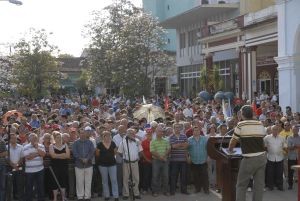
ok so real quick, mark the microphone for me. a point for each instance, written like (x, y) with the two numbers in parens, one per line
(226, 134)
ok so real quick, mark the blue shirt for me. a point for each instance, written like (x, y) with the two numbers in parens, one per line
(83, 149)
(35, 123)
(197, 149)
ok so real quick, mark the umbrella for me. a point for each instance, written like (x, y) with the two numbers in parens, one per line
(150, 112)
(204, 95)
(219, 95)
(229, 95)
(8, 114)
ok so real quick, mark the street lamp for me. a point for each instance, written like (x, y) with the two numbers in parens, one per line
(17, 2)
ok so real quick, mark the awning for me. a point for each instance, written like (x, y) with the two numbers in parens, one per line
(197, 14)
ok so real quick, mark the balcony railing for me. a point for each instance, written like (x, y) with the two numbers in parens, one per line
(261, 15)
(204, 2)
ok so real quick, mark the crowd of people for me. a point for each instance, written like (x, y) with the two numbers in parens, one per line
(96, 146)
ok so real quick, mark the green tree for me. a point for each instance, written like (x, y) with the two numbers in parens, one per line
(210, 79)
(126, 48)
(82, 83)
(35, 70)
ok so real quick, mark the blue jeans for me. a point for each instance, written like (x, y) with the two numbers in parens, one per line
(178, 167)
(110, 171)
(160, 176)
(37, 179)
(2, 182)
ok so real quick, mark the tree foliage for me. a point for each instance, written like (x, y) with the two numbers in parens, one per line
(6, 74)
(126, 45)
(35, 70)
(210, 79)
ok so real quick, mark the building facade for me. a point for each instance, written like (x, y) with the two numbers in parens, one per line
(165, 81)
(192, 54)
(288, 58)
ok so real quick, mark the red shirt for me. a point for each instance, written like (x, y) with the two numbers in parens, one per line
(146, 149)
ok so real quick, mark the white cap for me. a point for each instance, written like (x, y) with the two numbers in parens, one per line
(87, 128)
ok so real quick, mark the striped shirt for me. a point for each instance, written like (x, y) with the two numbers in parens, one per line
(178, 154)
(250, 134)
(160, 147)
(36, 164)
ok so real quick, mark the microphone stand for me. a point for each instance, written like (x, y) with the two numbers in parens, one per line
(222, 140)
(130, 182)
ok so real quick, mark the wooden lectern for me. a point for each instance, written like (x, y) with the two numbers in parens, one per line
(228, 164)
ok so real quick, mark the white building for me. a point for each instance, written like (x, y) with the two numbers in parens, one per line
(289, 53)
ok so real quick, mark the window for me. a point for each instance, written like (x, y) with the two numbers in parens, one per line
(192, 38)
(182, 40)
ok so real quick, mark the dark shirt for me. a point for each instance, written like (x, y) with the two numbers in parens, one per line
(2, 150)
(107, 156)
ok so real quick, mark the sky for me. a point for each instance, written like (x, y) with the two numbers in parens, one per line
(64, 18)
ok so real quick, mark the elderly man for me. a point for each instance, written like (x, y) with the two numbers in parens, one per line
(178, 159)
(250, 133)
(275, 145)
(83, 153)
(160, 149)
(15, 163)
(293, 143)
(34, 168)
(130, 148)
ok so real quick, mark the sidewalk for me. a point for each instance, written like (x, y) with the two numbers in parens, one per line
(275, 195)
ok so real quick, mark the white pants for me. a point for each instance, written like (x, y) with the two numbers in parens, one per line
(135, 178)
(83, 182)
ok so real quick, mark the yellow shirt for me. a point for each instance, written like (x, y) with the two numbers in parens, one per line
(285, 134)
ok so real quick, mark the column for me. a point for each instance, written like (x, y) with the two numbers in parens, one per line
(243, 73)
(288, 77)
(248, 75)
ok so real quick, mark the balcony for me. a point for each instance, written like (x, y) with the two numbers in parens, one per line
(221, 27)
(260, 16)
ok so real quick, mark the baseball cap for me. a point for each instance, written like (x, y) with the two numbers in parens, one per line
(55, 127)
(88, 128)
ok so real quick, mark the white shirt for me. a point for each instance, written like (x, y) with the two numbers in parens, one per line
(188, 112)
(117, 140)
(15, 153)
(95, 146)
(134, 149)
(141, 135)
(275, 147)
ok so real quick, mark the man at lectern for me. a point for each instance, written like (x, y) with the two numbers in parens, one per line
(250, 133)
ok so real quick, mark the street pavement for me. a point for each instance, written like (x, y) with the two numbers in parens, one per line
(275, 195)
